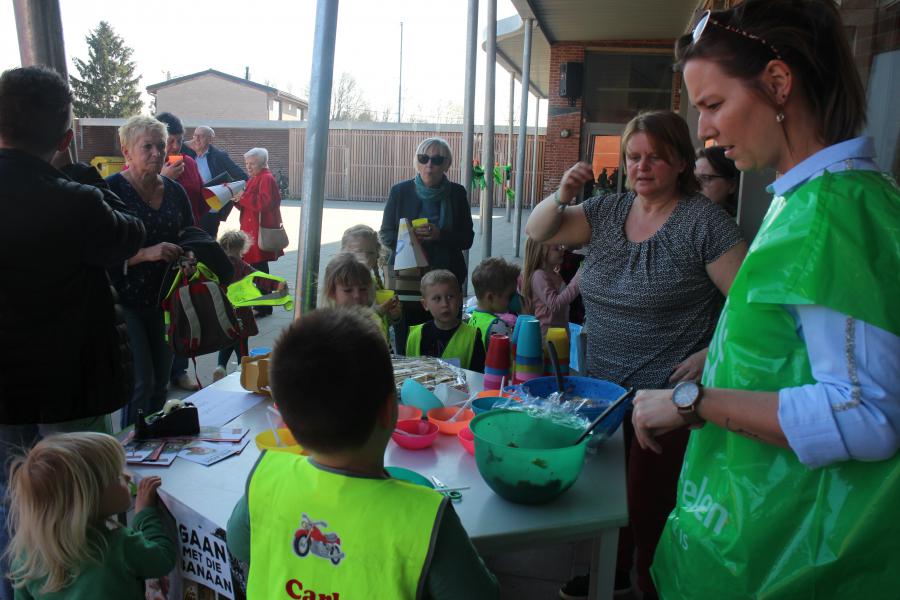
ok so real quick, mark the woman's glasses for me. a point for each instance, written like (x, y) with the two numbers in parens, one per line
(706, 19)
(704, 179)
(437, 160)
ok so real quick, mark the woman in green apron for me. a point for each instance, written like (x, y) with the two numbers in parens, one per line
(791, 479)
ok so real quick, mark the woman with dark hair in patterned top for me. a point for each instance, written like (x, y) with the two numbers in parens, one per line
(660, 260)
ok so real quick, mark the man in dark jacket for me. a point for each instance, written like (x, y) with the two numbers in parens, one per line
(65, 363)
(213, 163)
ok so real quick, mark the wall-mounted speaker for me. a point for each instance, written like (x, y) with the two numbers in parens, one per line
(570, 75)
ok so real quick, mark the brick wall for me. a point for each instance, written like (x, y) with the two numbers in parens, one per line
(561, 153)
(237, 141)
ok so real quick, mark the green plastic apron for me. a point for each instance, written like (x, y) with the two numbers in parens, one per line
(751, 521)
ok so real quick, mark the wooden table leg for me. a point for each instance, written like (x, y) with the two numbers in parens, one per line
(603, 564)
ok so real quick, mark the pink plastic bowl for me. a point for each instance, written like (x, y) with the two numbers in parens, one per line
(405, 412)
(422, 433)
(467, 440)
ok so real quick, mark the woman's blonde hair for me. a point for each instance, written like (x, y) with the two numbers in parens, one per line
(345, 269)
(137, 125)
(235, 242)
(366, 233)
(55, 492)
(535, 254)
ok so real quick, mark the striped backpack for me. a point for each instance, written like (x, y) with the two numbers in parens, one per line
(199, 317)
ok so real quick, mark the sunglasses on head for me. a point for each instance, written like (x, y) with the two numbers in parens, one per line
(706, 19)
(437, 160)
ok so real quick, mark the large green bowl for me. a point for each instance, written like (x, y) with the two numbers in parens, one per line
(526, 459)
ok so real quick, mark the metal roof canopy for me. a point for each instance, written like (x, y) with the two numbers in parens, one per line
(584, 21)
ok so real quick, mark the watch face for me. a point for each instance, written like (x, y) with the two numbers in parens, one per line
(685, 394)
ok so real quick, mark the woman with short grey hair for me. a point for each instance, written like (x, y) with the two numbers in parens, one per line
(260, 206)
(165, 210)
(447, 233)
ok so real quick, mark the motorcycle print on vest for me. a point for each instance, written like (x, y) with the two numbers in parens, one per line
(311, 536)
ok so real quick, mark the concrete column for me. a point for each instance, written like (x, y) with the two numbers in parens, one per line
(315, 156)
(523, 137)
(487, 151)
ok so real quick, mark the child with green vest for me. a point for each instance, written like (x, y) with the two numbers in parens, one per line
(445, 335)
(335, 523)
(495, 280)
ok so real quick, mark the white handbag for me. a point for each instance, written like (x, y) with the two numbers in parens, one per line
(272, 239)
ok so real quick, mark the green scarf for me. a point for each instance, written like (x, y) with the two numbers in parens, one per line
(432, 198)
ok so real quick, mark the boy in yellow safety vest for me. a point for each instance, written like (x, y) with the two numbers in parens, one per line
(445, 336)
(494, 280)
(335, 525)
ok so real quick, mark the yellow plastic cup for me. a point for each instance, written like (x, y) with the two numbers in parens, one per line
(560, 338)
(420, 222)
(382, 296)
(265, 440)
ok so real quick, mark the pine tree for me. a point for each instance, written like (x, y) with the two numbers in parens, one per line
(108, 87)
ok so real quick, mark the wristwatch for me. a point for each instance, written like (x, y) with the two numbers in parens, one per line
(686, 397)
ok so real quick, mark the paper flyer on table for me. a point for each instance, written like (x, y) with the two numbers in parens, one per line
(208, 453)
(217, 407)
(218, 196)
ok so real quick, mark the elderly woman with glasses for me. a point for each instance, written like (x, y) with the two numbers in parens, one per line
(660, 259)
(791, 480)
(445, 235)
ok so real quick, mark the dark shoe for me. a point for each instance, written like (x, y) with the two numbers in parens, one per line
(576, 588)
(261, 314)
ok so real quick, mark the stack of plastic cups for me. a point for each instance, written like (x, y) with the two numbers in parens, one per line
(529, 353)
(496, 363)
(560, 338)
(515, 336)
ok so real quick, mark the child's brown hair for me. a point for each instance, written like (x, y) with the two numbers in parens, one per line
(535, 254)
(435, 277)
(344, 269)
(328, 402)
(495, 275)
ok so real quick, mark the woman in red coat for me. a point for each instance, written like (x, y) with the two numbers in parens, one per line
(259, 205)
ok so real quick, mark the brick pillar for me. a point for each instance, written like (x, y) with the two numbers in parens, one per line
(561, 153)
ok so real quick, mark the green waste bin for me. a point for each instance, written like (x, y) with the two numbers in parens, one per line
(108, 165)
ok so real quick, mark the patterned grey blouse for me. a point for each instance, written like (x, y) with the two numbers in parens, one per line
(651, 304)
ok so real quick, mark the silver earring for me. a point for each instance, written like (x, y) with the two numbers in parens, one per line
(779, 117)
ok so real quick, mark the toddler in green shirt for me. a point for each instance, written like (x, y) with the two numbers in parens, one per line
(65, 545)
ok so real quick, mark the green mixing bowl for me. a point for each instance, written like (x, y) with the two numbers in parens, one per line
(526, 459)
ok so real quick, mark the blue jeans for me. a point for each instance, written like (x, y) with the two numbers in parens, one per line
(16, 440)
(152, 361)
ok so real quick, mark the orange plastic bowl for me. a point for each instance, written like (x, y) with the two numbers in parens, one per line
(467, 440)
(421, 434)
(405, 413)
(439, 417)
